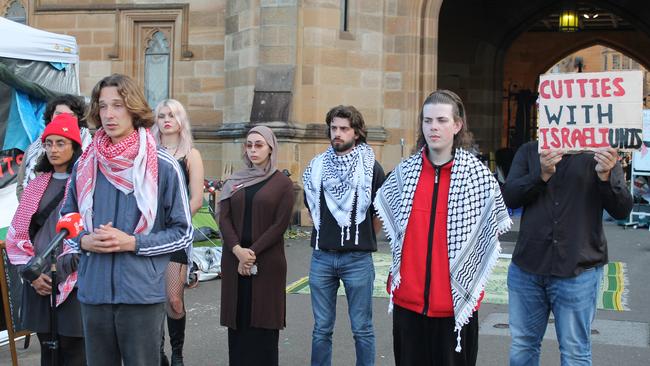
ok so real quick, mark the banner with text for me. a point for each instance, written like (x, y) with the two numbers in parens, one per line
(586, 111)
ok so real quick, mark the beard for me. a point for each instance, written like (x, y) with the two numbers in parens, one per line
(342, 146)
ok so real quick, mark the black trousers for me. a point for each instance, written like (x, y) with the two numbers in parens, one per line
(253, 347)
(421, 340)
(70, 352)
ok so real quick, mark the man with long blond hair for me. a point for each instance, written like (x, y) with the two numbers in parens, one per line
(134, 206)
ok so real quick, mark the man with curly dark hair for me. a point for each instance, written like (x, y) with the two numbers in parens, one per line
(339, 187)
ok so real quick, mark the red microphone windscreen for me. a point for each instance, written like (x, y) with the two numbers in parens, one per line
(71, 222)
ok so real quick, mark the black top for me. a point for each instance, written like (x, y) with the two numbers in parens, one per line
(186, 172)
(245, 283)
(180, 256)
(561, 232)
(247, 231)
(330, 231)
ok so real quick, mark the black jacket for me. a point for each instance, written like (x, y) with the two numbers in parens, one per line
(330, 231)
(561, 231)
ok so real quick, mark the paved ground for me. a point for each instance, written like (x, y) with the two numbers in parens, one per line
(207, 341)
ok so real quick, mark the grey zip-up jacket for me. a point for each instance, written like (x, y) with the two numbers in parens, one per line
(133, 277)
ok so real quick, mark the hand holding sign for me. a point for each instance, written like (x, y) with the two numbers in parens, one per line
(605, 158)
(547, 160)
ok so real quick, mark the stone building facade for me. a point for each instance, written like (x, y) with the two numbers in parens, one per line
(285, 63)
(279, 62)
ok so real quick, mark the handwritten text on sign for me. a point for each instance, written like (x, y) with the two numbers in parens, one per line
(584, 111)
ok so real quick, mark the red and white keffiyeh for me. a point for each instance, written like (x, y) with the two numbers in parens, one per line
(130, 166)
(20, 249)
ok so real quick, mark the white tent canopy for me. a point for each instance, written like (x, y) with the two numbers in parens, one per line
(22, 42)
(33, 56)
(28, 57)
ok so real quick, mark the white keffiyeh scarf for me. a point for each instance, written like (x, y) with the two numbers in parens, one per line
(476, 215)
(343, 178)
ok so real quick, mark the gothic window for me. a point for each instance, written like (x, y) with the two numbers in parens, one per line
(157, 59)
(16, 12)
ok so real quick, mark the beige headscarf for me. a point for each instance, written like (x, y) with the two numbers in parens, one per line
(252, 174)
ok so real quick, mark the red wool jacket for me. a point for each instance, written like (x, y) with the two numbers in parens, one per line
(425, 287)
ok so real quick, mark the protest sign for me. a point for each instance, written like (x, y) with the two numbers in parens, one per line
(586, 111)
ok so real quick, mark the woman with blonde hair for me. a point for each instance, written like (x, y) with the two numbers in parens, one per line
(255, 208)
(172, 132)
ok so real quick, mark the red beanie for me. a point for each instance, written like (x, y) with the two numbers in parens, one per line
(63, 125)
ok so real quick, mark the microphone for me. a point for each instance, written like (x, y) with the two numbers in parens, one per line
(69, 226)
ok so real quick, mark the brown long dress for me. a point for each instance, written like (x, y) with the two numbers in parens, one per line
(253, 308)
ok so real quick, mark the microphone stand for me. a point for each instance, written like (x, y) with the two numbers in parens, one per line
(32, 271)
(53, 343)
(35, 267)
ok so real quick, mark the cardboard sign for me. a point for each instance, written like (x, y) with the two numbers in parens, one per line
(586, 111)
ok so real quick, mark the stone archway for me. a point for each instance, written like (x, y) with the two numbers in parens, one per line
(524, 63)
(477, 39)
(523, 66)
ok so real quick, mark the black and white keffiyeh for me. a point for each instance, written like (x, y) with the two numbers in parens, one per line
(343, 179)
(476, 215)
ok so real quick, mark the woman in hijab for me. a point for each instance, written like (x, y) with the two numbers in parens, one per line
(255, 208)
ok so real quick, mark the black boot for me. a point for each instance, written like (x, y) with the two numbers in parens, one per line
(163, 358)
(176, 339)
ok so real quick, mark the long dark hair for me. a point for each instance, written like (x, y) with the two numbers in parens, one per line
(464, 137)
(44, 165)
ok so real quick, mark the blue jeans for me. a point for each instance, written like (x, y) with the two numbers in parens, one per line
(357, 272)
(573, 303)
